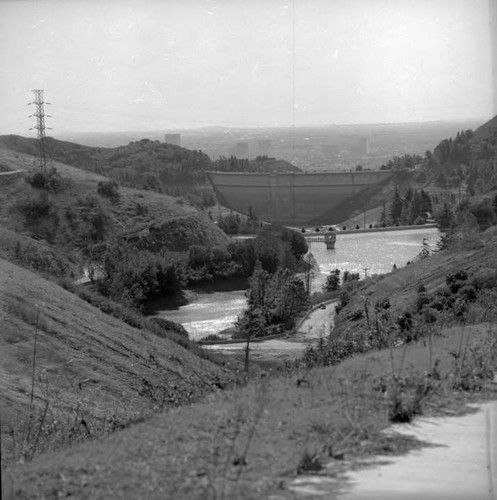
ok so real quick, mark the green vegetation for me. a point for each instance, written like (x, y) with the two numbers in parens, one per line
(274, 248)
(273, 301)
(237, 224)
(416, 341)
(332, 281)
(271, 431)
(50, 180)
(147, 165)
(261, 164)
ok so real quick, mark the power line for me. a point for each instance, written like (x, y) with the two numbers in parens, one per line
(293, 80)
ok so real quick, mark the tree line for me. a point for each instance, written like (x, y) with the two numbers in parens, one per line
(410, 208)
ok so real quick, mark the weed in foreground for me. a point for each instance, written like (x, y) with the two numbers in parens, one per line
(405, 397)
(474, 365)
(52, 426)
(309, 463)
(232, 443)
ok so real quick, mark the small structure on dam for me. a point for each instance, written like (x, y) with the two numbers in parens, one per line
(329, 238)
(293, 199)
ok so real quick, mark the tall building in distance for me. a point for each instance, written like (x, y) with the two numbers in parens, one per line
(242, 150)
(363, 145)
(264, 147)
(173, 139)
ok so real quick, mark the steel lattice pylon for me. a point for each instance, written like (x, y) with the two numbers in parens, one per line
(41, 158)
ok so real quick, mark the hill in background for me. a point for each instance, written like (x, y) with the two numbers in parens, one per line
(148, 165)
(103, 364)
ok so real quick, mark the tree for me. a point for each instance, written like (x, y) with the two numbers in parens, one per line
(383, 216)
(310, 271)
(109, 189)
(257, 287)
(396, 206)
(445, 217)
(425, 250)
(252, 217)
(252, 324)
(332, 281)
(348, 276)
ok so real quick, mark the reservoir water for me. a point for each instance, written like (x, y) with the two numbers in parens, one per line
(365, 253)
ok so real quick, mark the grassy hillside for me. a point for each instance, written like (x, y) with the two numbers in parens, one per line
(146, 164)
(255, 442)
(315, 417)
(133, 211)
(142, 156)
(419, 340)
(487, 132)
(421, 290)
(89, 365)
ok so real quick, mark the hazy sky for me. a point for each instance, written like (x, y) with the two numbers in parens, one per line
(146, 65)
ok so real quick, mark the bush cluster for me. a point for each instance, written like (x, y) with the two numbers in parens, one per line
(135, 276)
(273, 300)
(109, 189)
(236, 224)
(274, 249)
(49, 179)
(40, 259)
(459, 291)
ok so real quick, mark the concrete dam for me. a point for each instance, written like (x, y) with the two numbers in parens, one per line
(293, 199)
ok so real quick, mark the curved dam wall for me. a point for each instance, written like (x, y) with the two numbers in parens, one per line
(293, 198)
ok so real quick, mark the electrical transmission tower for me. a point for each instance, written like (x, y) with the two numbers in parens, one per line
(41, 158)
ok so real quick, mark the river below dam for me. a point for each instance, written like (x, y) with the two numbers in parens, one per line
(212, 310)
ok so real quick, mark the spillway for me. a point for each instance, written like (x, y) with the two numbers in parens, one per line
(291, 198)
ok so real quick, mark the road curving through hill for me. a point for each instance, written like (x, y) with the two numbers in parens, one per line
(318, 323)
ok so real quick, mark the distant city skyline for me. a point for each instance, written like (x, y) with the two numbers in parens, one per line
(183, 64)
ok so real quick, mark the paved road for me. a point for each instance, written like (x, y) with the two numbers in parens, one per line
(318, 324)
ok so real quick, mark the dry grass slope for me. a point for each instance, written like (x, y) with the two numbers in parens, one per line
(252, 442)
(86, 355)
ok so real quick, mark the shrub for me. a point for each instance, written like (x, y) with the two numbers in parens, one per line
(456, 280)
(136, 276)
(406, 395)
(49, 179)
(41, 259)
(468, 292)
(421, 300)
(405, 322)
(289, 324)
(344, 297)
(484, 278)
(355, 315)
(212, 337)
(109, 189)
(474, 367)
(167, 324)
(382, 304)
(35, 208)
